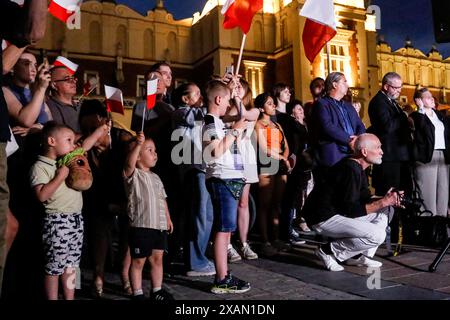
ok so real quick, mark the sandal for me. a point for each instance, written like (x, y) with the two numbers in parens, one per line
(127, 288)
(98, 291)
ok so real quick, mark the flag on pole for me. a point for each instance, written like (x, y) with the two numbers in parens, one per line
(89, 86)
(151, 93)
(320, 26)
(239, 13)
(63, 9)
(114, 99)
(64, 62)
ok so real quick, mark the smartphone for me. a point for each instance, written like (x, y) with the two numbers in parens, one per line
(229, 69)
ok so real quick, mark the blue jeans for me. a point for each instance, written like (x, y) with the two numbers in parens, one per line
(202, 217)
(224, 205)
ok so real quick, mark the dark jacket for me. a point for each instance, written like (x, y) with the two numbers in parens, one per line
(423, 145)
(391, 126)
(328, 133)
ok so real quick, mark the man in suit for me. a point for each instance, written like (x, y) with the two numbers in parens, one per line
(336, 125)
(390, 125)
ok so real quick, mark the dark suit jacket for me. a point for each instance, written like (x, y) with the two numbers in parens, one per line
(391, 127)
(329, 133)
(424, 137)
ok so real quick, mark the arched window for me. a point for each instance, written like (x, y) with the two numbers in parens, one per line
(95, 37)
(172, 45)
(258, 37)
(58, 34)
(122, 38)
(148, 44)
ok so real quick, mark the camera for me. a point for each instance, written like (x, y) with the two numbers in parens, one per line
(410, 202)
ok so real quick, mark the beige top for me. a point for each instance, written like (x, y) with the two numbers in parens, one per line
(64, 200)
(146, 200)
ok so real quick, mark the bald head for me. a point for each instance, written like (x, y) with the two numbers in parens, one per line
(368, 148)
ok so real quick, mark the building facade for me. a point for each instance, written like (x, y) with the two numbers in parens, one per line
(116, 46)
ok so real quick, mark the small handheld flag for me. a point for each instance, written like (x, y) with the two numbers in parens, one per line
(114, 99)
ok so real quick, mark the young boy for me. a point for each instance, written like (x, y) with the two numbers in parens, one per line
(63, 223)
(224, 180)
(149, 215)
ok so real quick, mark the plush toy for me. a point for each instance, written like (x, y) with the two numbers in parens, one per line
(80, 175)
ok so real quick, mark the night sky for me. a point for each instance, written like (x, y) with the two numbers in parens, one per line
(399, 19)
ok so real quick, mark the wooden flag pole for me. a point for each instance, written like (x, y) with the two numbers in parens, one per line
(240, 54)
(143, 119)
(109, 129)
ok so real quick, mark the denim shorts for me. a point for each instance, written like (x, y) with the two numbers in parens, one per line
(224, 204)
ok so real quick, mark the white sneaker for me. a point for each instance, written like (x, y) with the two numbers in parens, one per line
(232, 254)
(328, 260)
(364, 261)
(247, 252)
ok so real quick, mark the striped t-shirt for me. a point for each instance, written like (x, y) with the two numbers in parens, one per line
(146, 200)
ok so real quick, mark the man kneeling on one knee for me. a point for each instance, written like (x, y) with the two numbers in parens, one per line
(343, 209)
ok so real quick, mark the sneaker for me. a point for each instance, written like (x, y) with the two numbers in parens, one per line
(208, 270)
(328, 260)
(247, 252)
(232, 254)
(139, 297)
(230, 284)
(281, 245)
(364, 261)
(268, 250)
(296, 240)
(161, 295)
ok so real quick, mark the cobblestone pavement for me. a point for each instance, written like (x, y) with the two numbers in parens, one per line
(296, 274)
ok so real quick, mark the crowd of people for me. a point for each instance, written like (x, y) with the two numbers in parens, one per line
(182, 181)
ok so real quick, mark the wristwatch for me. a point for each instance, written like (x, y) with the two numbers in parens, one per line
(235, 133)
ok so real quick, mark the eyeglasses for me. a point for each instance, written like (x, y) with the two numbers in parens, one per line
(67, 79)
(395, 88)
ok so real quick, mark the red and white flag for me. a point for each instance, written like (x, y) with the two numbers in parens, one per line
(114, 99)
(151, 93)
(63, 9)
(320, 26)
(239, 13)
(89, 86)
(64, 62)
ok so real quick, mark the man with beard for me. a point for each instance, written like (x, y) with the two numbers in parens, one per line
(343, 209)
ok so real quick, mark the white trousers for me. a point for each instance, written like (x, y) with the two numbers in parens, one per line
(432, 179)
(355, 235)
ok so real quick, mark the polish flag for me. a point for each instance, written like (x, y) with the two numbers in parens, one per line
(320, 26)
(89, 86)
(239, 13)
(151, 93)
(63, 9)
(114, 100)
(64, 62)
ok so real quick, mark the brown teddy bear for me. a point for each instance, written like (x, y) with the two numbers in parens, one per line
(80, 174)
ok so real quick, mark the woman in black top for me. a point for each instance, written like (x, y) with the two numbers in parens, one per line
(431, 153)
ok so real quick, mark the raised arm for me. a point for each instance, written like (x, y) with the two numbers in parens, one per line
(130, 162)
(37, 17)
(218, 147)
(91, 140)
(26, 115)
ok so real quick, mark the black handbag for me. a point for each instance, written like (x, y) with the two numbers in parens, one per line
(425, 230)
